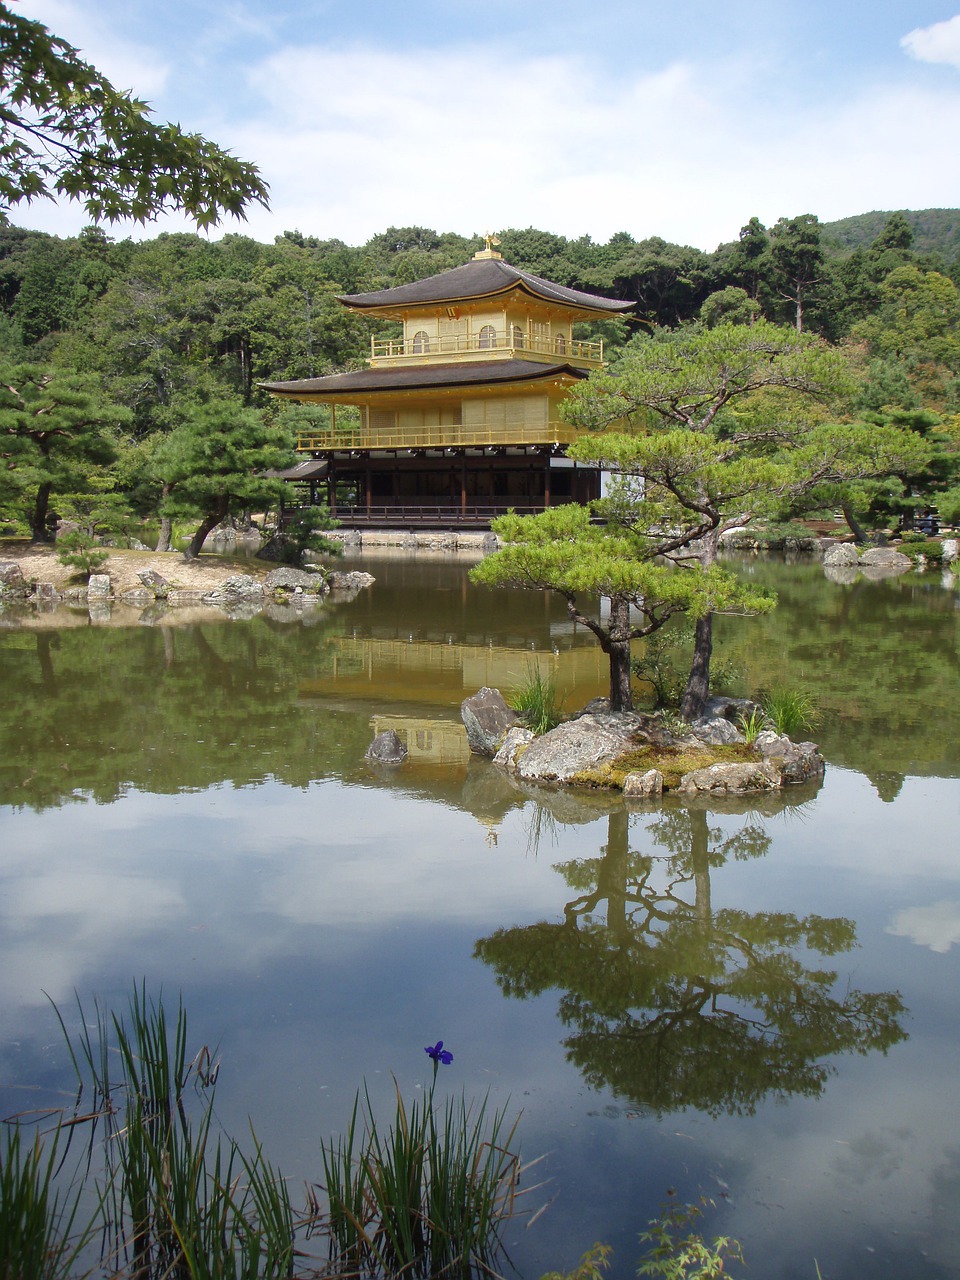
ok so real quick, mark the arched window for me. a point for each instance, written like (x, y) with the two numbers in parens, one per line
(517, 336)
(421, 343)
(488, 337)
(560, 344)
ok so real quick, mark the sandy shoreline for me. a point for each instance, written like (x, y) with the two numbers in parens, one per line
(40, 564)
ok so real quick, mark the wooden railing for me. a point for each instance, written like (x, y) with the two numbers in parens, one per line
(459, 343)
(435, 437)
(436, 515)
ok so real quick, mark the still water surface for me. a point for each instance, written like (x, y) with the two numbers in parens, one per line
(758, 1003)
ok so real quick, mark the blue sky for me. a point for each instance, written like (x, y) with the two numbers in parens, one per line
(678, 119)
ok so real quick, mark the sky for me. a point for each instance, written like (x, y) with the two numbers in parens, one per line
(680, 120)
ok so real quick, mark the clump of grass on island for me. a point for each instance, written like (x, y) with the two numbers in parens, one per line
(790, 711)
(537, 701)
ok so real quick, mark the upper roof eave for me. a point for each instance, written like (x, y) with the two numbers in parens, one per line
(474, 281)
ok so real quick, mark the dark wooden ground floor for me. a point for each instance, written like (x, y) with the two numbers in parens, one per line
(436, 489)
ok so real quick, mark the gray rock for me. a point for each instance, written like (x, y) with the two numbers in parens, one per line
(486, 718)
(844, 553)
(387, 748)
(886, 558)
(794, 761)
(724, 707)
(12, 581)
(582, 744)
(717, 732)
(353, 581)
(286, 577)
(98, 586)
(595, 707)
(731, 779)
(155, 582)
(643, 784)
(241, 585)
(222, 539)
(137, 596)
(951, 550)
(515, 740)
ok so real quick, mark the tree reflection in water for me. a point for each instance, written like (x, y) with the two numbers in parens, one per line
(673, 1004)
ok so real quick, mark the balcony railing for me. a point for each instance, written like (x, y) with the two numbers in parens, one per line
(501, 341)
(431, 515)
(435, 437)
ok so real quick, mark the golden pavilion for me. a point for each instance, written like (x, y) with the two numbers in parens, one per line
(458, 418)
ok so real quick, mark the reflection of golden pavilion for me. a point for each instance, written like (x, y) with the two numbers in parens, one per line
(458, 419)
(427, 741)
(437, 673)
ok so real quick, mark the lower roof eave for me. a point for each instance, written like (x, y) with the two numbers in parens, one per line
(380, 381)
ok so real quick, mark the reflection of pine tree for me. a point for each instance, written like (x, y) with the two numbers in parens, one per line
(673, 1004)
(166, 709)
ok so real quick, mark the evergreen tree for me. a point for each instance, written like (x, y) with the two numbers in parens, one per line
(213, 462)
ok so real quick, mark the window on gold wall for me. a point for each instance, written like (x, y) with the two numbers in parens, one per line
(488, 337)
(421, 343)
(517, 336)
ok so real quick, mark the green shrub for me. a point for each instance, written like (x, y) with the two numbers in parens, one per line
(303, 530)
(677, 1252)
(664, 665)
(930, 548)
(80, 550)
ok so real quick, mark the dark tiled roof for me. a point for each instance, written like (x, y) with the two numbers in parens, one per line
(310, 469)
(468, 374)
(480, 278)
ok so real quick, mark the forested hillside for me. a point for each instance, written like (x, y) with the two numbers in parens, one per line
(153, 333)
(934, 230)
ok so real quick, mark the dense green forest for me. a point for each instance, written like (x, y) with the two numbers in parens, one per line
(115, 353)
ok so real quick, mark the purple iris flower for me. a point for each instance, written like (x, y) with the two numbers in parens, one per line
(437, 1054)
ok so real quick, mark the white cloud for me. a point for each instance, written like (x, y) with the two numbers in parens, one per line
(936, 926)
(937, 43)
(354, 140)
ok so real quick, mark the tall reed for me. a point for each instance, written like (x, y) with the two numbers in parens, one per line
(178, 1200)
(37, 1219)
(426, 1197)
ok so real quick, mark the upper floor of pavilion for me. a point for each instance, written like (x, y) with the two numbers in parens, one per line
(485, 310)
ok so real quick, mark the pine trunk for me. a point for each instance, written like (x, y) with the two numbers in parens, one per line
(853, 524)
(207, 525)
(165, 537)
(38, 516)
(618, 653)
(698, 685)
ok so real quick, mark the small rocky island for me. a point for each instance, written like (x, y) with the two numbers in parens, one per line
(637, 754)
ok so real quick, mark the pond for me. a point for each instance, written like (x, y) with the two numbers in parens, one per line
(758, 1003)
